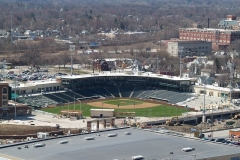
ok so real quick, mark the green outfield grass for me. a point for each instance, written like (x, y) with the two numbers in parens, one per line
(158, 111)
(123, 102)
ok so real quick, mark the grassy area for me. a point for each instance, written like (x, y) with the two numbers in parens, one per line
(122, 102)
(158, 111)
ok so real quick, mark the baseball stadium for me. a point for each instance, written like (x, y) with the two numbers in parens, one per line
(124, 95)
(146, 94)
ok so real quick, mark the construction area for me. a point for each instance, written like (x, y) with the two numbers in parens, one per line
(57, 125)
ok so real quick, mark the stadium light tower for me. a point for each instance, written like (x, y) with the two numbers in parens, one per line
(71, 49)
(180, 50)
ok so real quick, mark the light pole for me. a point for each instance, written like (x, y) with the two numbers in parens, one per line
(78, 68)
(212, 123)
(180, 50)
(80, 105)
(74, 102)
(134, 111)
(68, 110)
(71, 49)
(15, 108)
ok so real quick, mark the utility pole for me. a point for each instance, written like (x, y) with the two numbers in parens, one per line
(11, 26)
(204, 106)
(15, 98)
(231, 76)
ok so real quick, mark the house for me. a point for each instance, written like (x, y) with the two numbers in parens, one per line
(206, 80)
(85, 32)
(3, 32)
(102, 65)
(207, 72)
(237, 85)
(197, 62)
(165, 72)
(188, 74)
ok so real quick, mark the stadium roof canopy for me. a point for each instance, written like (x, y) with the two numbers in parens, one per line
(109, 74)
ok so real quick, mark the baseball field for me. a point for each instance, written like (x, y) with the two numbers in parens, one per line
(142, 108)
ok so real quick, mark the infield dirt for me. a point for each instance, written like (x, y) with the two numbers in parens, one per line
(104, 105)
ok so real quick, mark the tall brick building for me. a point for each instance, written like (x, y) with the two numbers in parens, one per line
(7, 110)
(219, 37)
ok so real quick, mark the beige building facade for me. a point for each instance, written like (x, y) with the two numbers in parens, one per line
(189, 48)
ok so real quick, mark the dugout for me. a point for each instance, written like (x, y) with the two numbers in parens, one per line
(102, 113)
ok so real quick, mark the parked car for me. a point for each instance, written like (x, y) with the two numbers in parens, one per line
(201, 135)
(188, 149)
(236, 143)
(212, 139)
(220, 139)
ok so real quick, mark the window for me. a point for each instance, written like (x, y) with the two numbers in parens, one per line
(5, 103)
(4, 114)
(5, 97)
(4, 90)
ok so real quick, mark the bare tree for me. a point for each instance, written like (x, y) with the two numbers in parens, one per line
(32, 56)
(65, 58)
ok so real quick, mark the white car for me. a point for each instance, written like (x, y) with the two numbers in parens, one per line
(188, 149)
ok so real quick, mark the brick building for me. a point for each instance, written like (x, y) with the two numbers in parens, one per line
(7, 110)
(219, 37)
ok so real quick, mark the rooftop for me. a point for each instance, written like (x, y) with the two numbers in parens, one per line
(148, 144)
(139, 74)
(111, 110)
(210, 29)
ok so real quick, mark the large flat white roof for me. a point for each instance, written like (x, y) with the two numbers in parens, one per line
(217, 88)
(210, 29)
(33, 83)
(108, 74)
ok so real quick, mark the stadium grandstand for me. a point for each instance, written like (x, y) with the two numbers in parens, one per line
(115, 85)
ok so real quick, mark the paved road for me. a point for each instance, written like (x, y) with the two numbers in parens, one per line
(221, 134)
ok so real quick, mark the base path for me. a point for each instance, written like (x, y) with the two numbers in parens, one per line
(104, 105)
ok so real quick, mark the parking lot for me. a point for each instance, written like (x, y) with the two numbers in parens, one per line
(25, 73)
